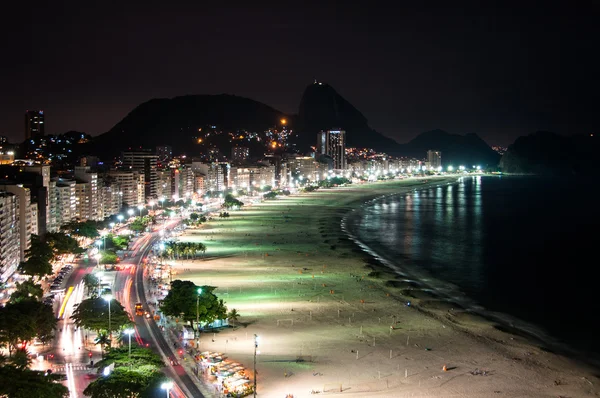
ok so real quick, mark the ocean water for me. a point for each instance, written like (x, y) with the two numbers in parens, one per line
(522, 250)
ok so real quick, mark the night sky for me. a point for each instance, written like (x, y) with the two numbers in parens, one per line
(499, 71)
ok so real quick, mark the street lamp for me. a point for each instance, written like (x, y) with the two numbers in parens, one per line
(198, 315)
(129, 332)
(103, 234)
(140, 208)
(120, 217)
(108, 298)
(255, 347)
(130, 212)
(111, 225)
(167, 386)
(98, 257)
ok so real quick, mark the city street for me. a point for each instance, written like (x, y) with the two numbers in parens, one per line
(128, 289)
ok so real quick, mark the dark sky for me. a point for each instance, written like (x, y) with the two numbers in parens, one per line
(499, 70)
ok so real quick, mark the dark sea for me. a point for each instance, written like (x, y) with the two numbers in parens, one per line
(521, 250)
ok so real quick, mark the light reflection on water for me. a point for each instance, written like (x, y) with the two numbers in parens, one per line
(509, 244)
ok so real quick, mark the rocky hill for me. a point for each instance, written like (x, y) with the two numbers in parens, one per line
(467, 150)
(176, 122)
(322, 108)
(548, 153)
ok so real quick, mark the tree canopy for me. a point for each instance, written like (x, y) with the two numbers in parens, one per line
(22, 321)
(27, 290)
(182, 299)
(38, 258)
(92, 284)
(92, 314)
(16, 382)
(140, 356)
(126, 383)
(85, 229)
(231, 202)
(61, 243)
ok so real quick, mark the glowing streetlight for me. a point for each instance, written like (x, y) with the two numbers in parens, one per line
(140, 208)
(120, 218)
(130, 212)
(129, 332)
(167, 386)
(108, 298)
(111, 225)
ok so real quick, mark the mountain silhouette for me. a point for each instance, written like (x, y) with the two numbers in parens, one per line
(467, 150)
(322, 108)
(176, 122)
(548, 153)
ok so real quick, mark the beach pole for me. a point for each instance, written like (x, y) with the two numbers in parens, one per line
(356, 354)
(407, 337)
(405, 373)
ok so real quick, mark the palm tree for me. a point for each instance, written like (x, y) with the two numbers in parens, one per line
(233, 316)
(103, 340)
(91, 284)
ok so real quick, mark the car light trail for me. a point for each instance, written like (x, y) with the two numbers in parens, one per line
(64, 304)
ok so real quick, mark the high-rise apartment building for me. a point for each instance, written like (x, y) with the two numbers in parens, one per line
(10, 240)
(63, 203)
(131, 185)
(434, 158)
(37, 180)
(216, 175)
(164, 186)
(305, 167)
(182, 182)
(332, 143)
(34, 124)
(27, 215)
(145, 162)
(87, 194)
(111, 197)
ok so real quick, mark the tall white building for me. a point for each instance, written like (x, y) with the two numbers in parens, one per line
(111, 197)
(63, 203)
(131, 186)
(434, 158)
(88, 196)
(27, 215)
(216, 175)
(145, 162)
(252, 176)
(10, 240)
(305, 167)
(332, 143)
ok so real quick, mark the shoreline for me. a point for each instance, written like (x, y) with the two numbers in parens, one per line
(447, 300)
(298, 280)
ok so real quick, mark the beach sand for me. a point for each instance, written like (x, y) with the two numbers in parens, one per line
(331, 319)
